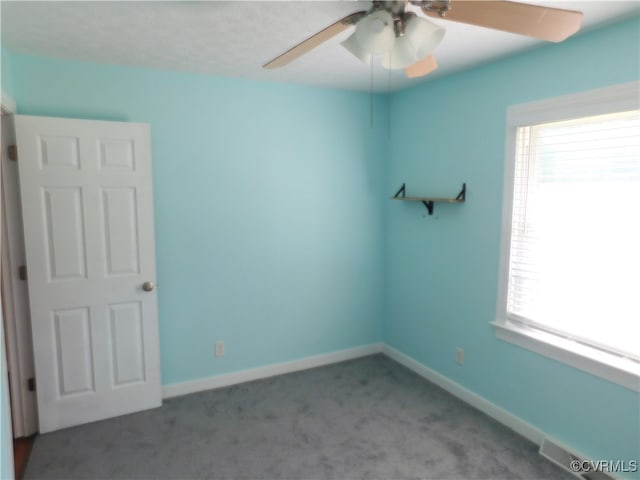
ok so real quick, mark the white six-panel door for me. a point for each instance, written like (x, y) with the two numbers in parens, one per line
(88, 219)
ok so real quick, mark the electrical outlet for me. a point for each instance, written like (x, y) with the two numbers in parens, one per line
(459, 356)
(219, 349)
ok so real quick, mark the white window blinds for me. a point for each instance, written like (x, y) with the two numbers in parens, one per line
(574, 264)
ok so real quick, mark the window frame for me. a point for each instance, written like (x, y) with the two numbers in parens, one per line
(617, 98)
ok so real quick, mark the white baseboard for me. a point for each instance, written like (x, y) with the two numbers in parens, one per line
(494, 411)
(499, 414)
(475, 400)
(224, 380)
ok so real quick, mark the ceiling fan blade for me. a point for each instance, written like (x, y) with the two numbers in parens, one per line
(421, 67)
(545, 23)
(314, 40)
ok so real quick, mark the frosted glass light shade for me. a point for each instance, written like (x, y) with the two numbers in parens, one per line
(375, 32)
(424, 35)
(402, 55)
(353, 46)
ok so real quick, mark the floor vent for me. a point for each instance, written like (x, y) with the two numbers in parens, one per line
(580, 467)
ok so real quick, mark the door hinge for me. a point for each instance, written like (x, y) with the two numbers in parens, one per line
(31, 384)
(22, 272)
(12, 152)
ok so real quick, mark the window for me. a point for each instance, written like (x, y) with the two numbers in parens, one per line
(570, 272)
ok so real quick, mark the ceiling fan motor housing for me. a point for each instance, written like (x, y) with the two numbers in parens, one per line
(402, 37)
(441, 7)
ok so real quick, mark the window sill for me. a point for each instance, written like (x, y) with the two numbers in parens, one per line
(614, 369)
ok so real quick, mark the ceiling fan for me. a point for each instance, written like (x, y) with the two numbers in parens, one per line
(406, 40)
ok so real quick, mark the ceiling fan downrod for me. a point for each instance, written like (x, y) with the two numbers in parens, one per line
(398, 12)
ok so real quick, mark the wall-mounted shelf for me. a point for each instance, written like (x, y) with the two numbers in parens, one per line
(430, 201)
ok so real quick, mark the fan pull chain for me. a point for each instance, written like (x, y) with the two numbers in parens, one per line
(371, 95)
(389, 103)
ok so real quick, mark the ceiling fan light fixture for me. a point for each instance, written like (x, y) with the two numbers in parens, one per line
(375, 32)
(424, 35)
(353, 46)
(401, 55)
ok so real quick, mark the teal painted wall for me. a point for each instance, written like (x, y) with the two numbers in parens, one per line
(272, 199)
(442, 270)
(267, 207)
(6, 72)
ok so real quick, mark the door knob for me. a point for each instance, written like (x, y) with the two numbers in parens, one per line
(148, 286)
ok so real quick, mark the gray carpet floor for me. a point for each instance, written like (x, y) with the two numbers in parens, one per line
(369, 418)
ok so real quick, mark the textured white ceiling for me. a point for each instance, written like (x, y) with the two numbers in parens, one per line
(235, 38)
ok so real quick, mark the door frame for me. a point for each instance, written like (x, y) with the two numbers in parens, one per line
(19, 347)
